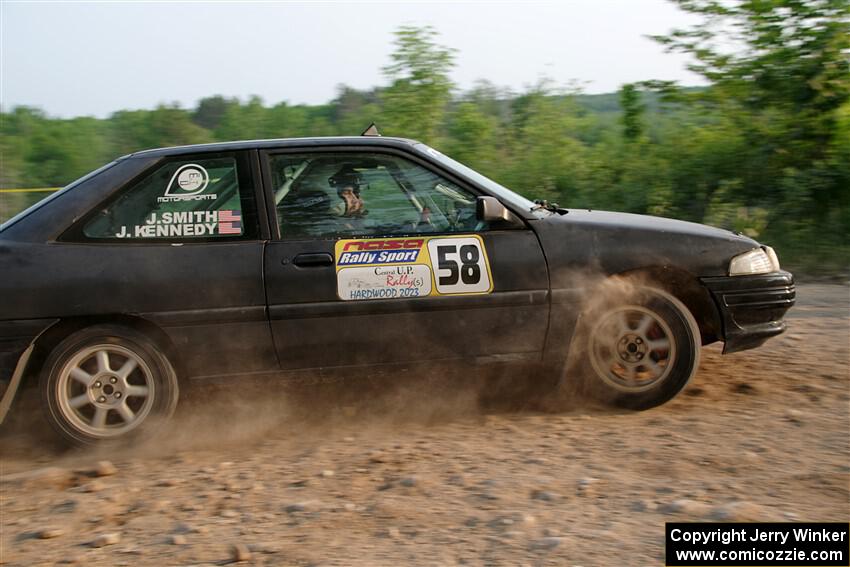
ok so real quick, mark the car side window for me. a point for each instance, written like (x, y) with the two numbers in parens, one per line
(195, 198)
(343, 194)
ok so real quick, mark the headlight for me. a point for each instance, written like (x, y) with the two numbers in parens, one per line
(759, 261)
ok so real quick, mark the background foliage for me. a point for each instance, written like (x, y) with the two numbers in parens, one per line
(764, 149)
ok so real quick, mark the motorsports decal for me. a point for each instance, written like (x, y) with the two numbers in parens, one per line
(187, 184)
(387, 268)
(190, 223)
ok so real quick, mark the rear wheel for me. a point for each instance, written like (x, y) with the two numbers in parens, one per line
(638, 349)
(107, 382)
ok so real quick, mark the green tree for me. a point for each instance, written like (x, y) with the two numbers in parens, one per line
(550, 162)
(17, 131)
(472, 136)
(244, 121)
(779, 71)
(633, 110)
(211, 111)
(166, 125)
(353, 110)
(420, 87)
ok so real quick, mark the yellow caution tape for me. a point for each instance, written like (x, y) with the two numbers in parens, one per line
(41, 190)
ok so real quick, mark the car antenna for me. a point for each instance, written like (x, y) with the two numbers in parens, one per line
(372, 130)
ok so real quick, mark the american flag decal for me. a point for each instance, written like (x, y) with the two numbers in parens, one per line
(230, 222)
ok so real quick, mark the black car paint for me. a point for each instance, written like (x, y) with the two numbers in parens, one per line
(310, 323)
(200, 293)
(206, 295)
(303, 302)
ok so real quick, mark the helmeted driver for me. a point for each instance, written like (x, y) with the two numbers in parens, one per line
(347, 183)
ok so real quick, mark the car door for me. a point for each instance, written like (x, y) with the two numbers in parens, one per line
(181, 246)
(413, 276)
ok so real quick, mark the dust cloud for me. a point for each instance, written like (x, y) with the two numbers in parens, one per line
(401, 470)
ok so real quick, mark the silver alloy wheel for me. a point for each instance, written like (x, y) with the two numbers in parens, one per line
(105, 390)
(632, 348)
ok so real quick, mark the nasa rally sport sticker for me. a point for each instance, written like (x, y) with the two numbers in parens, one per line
(390, 268)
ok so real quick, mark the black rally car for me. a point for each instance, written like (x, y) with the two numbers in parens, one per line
(264, 257)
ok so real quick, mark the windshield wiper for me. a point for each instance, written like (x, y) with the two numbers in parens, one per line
(551, 207)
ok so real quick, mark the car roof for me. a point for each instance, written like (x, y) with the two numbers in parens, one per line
(276, 143)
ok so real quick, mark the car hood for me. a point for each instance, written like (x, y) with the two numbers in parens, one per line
(628, 221)
(619, 242)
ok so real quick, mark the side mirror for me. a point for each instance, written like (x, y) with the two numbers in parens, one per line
(490, 209)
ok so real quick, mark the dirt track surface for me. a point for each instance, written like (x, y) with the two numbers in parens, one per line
(420, 475)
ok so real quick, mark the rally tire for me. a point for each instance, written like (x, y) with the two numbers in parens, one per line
(107, 384)
(637, 350)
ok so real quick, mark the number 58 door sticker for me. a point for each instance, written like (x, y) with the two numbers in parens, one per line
(389, 268)
(460, 265)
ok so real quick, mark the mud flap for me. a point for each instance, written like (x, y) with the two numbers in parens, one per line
(12, 388)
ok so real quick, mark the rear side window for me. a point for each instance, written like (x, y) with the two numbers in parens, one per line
(198, 198)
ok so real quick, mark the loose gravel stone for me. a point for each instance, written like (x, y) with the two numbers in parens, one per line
(268, 548)
(239, 553)
(161, 505)
(106, 539)
(456, 480)
(49, 533)
(686, 507)
(545, 544)
(47, 477)
(90, 487)
(742, 512)
(182, 528)
(588, 487)
(795, 416)
(105, 468)
(306, 506)
(66, 506)
(542, 495)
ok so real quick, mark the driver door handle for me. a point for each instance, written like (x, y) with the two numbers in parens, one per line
(311, 259)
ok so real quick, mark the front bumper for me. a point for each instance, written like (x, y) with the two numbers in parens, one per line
(751, 307)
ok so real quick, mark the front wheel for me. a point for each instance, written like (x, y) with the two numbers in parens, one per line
(638, 348)
(105, 383)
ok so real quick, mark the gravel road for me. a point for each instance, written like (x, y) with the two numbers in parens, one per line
(419, 474)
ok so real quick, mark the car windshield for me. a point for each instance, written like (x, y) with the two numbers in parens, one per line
(35, 206)
(499, 191)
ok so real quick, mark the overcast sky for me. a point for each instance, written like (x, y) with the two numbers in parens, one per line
(76, 58)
